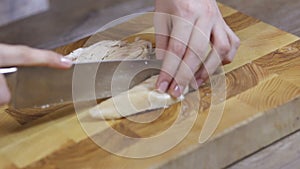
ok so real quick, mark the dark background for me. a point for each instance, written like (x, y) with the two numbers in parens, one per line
(69, 20)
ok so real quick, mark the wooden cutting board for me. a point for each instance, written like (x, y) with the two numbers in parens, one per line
(262, 106)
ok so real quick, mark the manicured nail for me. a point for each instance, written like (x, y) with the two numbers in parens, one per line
(163, 86)
(66, 61)
(177, 91)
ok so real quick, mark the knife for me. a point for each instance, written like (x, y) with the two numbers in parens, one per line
(42, 87)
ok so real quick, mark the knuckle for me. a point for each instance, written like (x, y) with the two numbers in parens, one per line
(200, 53)
(187, 9)
(210, 11)
(185, 74)
(223, 49)
(203, 74)
(237, 42)
(177, 48)
(191, 58)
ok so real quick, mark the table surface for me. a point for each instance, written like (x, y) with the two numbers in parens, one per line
(281, 14)
(14, 136)
(55, 28)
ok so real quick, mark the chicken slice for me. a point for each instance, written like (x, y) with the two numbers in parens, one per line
(141, 98)
(112, 50)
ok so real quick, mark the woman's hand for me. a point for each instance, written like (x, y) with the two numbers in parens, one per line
(24, 56)
(184, 30)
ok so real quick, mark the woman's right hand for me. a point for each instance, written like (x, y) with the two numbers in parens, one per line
(12, 55)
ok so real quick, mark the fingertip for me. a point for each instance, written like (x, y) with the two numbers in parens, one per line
(60, 59)
(56, 60)
(66, 62)
(176, 90)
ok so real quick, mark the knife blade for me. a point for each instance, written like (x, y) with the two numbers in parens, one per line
(38, 87)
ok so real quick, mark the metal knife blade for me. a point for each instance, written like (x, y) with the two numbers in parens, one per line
(35, 87)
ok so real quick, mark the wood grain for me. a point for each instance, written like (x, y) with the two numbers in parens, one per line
(236, 84)
(282, 59)
(258, 40)
(262, 106)
(270, 94)
(291, 75)
(239, 21)
(239, 139)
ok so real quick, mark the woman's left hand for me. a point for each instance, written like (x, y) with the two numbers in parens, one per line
(184, 30)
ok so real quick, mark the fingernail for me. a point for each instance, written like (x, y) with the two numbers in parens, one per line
(163, 86)
(177, 91)
(66, 61)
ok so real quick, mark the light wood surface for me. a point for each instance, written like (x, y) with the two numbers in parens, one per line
(284, 154)
(261, 107)
(279, 13)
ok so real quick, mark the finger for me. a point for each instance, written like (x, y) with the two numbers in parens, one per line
(220, 41)
(180, 35)
(193, 57)
(4, 91)
(210, 65)
(25, 56)
(220, 50)
(162, 33)
(234, 43)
